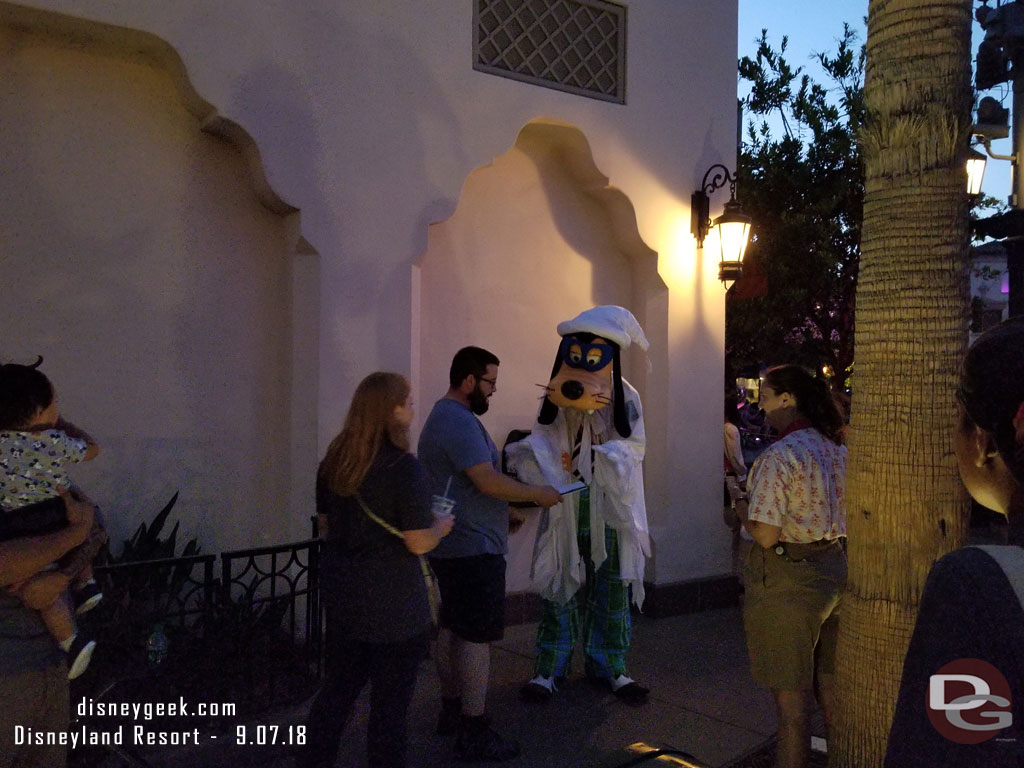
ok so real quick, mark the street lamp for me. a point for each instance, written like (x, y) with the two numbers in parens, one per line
(733, 225)
(975, 172)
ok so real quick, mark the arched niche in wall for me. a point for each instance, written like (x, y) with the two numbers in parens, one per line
(538, 235)
(147, 259)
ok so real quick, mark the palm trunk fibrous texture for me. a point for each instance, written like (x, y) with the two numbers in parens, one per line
(905, 505)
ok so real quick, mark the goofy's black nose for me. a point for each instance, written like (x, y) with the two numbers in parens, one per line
(572, 390)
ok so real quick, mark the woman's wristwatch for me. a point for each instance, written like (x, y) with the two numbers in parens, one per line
(734, 499)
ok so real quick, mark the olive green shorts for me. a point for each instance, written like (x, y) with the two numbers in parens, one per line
(791, 612)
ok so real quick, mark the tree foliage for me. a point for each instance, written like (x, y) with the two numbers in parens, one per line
(803, 186)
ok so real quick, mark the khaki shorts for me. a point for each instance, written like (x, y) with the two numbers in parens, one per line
(791, 612)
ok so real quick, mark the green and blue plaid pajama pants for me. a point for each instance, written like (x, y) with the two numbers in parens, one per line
(605, 613)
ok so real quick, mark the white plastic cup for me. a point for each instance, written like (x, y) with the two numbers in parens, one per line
(441, 506)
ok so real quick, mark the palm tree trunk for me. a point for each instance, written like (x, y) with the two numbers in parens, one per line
(905, 505)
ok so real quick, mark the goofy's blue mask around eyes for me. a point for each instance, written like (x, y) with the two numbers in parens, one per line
(589, 356)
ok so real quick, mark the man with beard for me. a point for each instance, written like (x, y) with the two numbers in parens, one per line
(470, 562)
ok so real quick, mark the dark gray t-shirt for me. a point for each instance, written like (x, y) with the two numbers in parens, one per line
(371, 584)
(24, 642)
(453, 439)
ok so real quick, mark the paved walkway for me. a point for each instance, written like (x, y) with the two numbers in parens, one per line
(703, 701)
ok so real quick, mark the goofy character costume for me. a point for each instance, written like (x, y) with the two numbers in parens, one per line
(590, 548)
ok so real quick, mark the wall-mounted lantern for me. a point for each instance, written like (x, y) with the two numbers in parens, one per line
(733, 225)
(975, 172)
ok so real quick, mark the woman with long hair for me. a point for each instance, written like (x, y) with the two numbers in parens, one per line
(970, 621)
(374, 512)
(796, 571)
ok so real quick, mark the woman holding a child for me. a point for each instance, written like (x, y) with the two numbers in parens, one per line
(37, 447)
(47, 541)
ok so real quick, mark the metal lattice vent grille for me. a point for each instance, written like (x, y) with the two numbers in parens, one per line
(577, 46)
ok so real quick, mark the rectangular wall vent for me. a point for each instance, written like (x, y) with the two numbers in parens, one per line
(577, 46)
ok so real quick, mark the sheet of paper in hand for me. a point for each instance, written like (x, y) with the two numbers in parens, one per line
(573, 487)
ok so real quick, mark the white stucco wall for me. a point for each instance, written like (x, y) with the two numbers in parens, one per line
(538, 236)
(369, 118)
(138, 262)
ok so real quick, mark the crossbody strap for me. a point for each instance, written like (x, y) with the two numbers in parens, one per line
(433, 598)
(378, 520)
(1011, 560)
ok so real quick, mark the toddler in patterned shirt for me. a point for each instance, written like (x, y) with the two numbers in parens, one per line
(36, 446)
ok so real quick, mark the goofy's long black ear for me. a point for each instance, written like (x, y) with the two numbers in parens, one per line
(549, 410)
(620, 417)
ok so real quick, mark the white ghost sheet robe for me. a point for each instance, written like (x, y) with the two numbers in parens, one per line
(616, 496)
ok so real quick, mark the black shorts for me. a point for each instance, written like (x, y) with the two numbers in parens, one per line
(472, 596)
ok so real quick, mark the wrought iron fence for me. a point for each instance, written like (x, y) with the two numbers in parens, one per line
(173, 591)
(252, 634)
(278, 586)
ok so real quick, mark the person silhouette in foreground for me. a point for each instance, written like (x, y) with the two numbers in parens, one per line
(970, 620)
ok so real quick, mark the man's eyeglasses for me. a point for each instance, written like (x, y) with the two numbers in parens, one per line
(493, 382)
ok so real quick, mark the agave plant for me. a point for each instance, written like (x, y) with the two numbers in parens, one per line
(146, 544)
(145, 585)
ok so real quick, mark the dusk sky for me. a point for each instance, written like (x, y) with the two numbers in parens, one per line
(814, 25)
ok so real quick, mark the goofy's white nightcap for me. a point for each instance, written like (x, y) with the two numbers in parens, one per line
(610, 322)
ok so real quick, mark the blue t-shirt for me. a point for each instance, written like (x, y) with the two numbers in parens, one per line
(453, 439)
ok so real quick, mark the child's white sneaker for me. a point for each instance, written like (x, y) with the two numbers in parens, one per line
(79, 650)
(87, 597)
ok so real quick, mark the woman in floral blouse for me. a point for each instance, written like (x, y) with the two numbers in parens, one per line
(793, 580)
